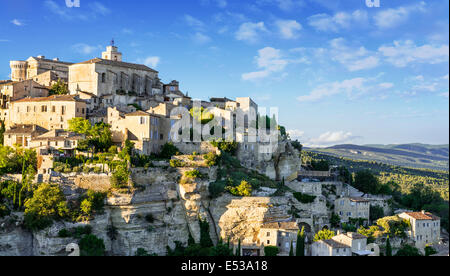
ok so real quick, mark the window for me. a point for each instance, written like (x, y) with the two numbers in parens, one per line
(53, 109)
(103, 77)
(268, 241)
(268, 234)
(44, 108)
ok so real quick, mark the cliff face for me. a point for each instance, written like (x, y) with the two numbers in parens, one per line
(174, 208)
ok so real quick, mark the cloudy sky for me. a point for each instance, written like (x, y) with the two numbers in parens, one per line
(338, 70)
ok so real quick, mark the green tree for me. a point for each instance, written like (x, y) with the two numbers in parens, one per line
(120, 177)
(324, 234)
(205, 239)
(300, 246)
(291, 250)
(245, 189)
(335, 220)
(271, 251)
(388, 247)
(48, 203)
(2, 132)
(91, 246)
(408, 251)
(367, 182)
(238, 250)
(59, 88)
(376, 212)
(429, 251)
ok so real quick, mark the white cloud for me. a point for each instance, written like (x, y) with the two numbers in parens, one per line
(200, 38)
(269, 60)
(289, 5)
(296, 134)
(219, 3)
(386, 85)
(99, 8)
(95, 9)
(85, 49)
(5, 40)
(250, 32)
(353, 58)
(151, 62)
(288, 28)
(402, 53)
(330, 138)
(342, 20)
(393, 17)
(17, 22)
(193, 22)
(330, 89)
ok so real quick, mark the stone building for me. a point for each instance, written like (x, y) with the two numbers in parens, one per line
(16, 90)
(279, 234)
(56, 142)
(21, 135)
(34, 66)
(330, 248)
(148, 131)
(425, 228)
(115, 81)
(352, 208)
(357, 243)
(51, 113)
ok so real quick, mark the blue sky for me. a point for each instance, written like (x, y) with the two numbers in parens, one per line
(339, 71)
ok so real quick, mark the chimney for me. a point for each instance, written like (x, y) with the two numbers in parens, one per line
(423, 212)
(56, 59)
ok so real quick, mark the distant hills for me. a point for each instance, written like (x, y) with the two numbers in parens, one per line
(434, 157)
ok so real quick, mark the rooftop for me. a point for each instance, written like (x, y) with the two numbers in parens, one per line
(281, 225)
(54, 98)
(334, 244)
(422, 216)
(26, 129)
(119, 64)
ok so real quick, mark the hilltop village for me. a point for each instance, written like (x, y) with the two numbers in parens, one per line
(91, 157)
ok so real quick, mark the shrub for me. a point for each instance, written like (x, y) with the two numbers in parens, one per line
(80, 231)
(168, 150)
(86, 169)
(175, 163)
(394, 226)
(211, 159)
(228, 147)
(304, 198)
(48, 203)
(217, 188)
(325, 234)
(120, 177)
(408, 251)
(64, 233)
(244, 189)
(271, 251)
(194, 174)
(430, 251)
(97, 170)
(90, 245)
(77, 169)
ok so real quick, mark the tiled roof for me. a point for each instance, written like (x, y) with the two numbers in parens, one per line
(55, 98)
(422, 216)
(51, 60)
(59, 135)
(119, 64)
(358, 199)
(281, 225)
(335, 244)
(137, 113)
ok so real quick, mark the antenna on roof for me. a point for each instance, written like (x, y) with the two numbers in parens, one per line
(112, 42)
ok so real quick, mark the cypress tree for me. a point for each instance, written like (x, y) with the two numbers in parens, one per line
(205, 239)
(300, 247)
(291, 251)
(388, 248)
(238, 251)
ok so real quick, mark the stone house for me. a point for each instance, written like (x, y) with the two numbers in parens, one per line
(35, 66)
(51, 113)
(148, 131)
(352, 208)
(21, 135)
(13, 91)
(57, 142)
(425, 228)
(279, 234)
(356, 241)
(110, 76)
(331, 247)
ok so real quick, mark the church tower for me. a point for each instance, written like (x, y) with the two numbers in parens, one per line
(112, 53)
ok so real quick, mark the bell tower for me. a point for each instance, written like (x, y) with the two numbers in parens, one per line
(112, 53)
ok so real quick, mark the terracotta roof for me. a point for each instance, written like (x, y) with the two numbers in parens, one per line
(59, 135)
(281, 225)
(358, 199)
(351, 235)
(422, 216)
(55, 98)
(334, 244)
(119, 64)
